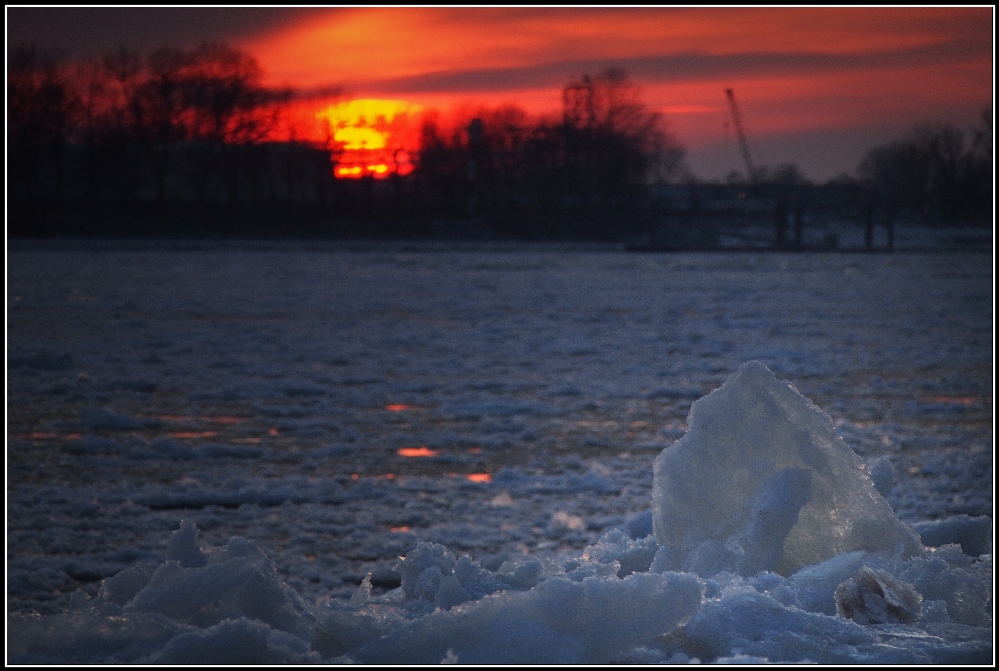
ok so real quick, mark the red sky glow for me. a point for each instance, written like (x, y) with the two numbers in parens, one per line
(794, 71)
(816, 86)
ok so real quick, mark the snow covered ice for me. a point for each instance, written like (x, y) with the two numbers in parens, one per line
(205, 457)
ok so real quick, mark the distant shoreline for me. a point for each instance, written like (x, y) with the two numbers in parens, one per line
(978, 245)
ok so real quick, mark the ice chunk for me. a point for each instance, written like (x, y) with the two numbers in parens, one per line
(237, 582)
(521, 572)
(639, 525)
(967, 590)
(86, 637)
(423, 568)
(616, 546)
(973, 534)
(744, 622)
(560, 621)
(761, 481)
(184, 548)
(876, 597)
(430, 573)
(773, 511)
(814, 586)
(450, 593)
(239, 641)
(120, 588)
(362, 594)
(883, 475)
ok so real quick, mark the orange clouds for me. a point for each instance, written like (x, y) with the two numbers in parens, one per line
(385, 43)
(793, 69)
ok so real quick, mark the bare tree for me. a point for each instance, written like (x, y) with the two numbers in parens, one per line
(614, 145)
(161, 99)
(41, 110)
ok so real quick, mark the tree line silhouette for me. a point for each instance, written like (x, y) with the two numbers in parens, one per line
(584, 174)
(934, 173)
(127, 135)
(181, 142)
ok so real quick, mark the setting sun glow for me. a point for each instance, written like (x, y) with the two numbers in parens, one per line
(374, 135)
(365, 123)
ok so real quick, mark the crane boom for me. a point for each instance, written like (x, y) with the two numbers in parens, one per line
(742, 137)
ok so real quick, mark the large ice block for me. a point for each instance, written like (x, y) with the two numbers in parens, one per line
(761, 481)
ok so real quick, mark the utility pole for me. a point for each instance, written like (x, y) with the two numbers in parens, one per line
(742, 136)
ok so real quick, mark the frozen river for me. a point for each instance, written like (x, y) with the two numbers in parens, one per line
(337, 405)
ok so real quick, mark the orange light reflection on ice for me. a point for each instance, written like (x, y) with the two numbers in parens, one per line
(39, 435)
(193, 434)
(417, 452)
(226, 419)
(473, 477)
(220, 419)
(398, 407)
(959, 400)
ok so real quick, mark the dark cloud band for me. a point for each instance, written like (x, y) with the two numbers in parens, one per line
(674, 68)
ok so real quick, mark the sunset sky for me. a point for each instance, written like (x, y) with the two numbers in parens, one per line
(816, 86)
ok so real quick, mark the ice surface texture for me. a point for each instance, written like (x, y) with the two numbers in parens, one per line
(529, 355)
(562, 373)
(781, 493)
(228, 605)
(761, 481)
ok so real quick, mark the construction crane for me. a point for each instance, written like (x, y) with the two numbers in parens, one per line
(742, 136)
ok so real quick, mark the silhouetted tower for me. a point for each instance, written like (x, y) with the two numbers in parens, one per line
(742, 136)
